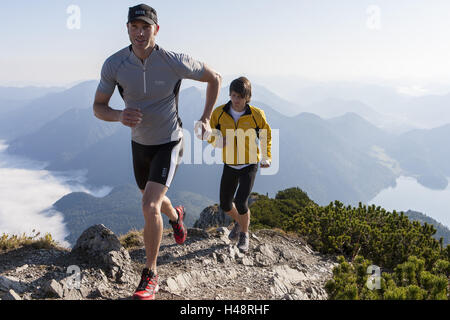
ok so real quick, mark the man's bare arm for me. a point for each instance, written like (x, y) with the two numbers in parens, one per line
(102, 110)
(128, 117)
(214, 81)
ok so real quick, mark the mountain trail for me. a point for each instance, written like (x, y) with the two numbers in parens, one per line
(207, 267)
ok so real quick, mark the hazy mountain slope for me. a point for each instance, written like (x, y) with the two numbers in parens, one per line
(423, 153)
(441, 230)
(65, 137)
(40, 111)
(26, 93)
(429, 111)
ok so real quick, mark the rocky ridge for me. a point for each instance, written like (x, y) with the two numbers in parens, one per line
(208, 266)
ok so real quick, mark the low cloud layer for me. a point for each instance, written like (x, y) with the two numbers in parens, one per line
(27, 193)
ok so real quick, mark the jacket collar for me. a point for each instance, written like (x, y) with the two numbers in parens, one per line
(227, 107)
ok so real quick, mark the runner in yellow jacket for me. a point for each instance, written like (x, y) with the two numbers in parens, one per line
(237, 128)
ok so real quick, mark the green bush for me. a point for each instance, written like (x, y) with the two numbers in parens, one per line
(420, 265)
(409, 281)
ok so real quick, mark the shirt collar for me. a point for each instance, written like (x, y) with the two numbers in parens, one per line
(228, 106)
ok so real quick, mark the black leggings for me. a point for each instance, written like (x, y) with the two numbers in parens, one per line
(231, 177)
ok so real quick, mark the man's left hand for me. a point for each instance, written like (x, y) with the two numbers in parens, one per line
(265, 163)
(202, 129)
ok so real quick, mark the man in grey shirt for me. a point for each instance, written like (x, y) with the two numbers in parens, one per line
(149, 78)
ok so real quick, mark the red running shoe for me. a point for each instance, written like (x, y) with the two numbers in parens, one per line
(148, 287)
(179, 230)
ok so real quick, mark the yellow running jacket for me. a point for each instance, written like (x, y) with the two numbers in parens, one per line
(241, 137)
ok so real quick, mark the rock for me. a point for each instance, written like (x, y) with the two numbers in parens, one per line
(213, 216)
(183, 281)
(289, 275)
(84, 291)
(223, 231)
(276, 267)
(287, 296)
(11, 295)
(235, 253)
(266, 250)
(308, 249)
(102, 247)
(72, 294)
(284, 283)
(289, 255)
(246, 261)
(7, 283)
(206, 262)
(53, 289)
(223, 234)
(279, 288)
(264, 255)
(172, 285)
(197, 233)
(27, 296)
(22, 268)
(101, 291)
(223, 258)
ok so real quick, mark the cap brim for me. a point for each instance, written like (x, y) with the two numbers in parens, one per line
(145, 19)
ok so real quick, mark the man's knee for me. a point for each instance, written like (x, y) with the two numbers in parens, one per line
(241, 207)
(150, 208)
(226, 206)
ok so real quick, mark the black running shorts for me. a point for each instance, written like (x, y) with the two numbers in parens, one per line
(231, 178)
(156, 163)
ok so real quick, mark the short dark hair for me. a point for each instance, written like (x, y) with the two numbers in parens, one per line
(243, 87)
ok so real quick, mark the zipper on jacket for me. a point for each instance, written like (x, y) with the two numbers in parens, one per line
(144, 69)
(235, 139)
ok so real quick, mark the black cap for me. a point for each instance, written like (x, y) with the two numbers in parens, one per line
(142, 12)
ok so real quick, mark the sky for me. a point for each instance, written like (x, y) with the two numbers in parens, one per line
(57, 42)
(49, 43)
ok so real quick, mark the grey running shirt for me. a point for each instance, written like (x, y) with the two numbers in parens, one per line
(152, 86)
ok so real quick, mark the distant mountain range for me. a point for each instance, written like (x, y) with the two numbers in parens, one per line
(338, 155)
(29, 116)
(333, 158)
(27, 93)
(399, 112)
